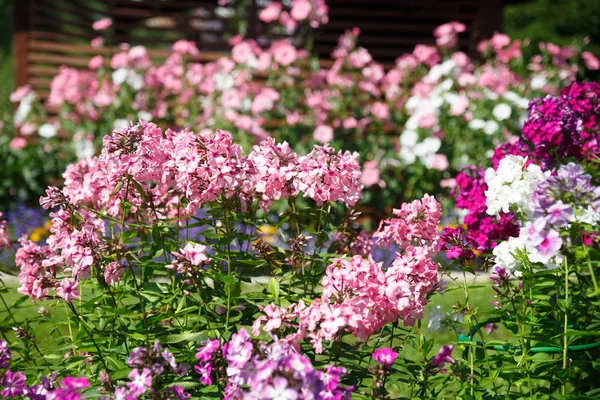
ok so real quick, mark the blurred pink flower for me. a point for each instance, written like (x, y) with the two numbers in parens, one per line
(18, 143)
(300, 9)
(20, 93)
(370, 173)
(95, 62)
(28, 128)
(439, 162)
(447, 34)
(271, 12)
(323, 134)
(591, 61)
(102, 24)
(97, 42)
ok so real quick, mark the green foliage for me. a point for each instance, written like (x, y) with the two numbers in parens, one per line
(556, 21)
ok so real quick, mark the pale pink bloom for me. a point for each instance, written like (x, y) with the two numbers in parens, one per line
(286, 20)
(231, 98)
(459, 106)
(591, 61)
(448, 183)
(102, 24)
(284, 52)
(271, 12)
(119, 60)
(428, 55)
(20, 93)
(509, 52)
(28, 128)
(447, 34)
(350, 123)
(300, 9)
(380, 110)
(499, 40)
(186, 47)
(428, 120)
(18, 143)
(241, 52)
(461, 59)
(323, 134)
(439, 162)
(406, 62)
(370, 173)
(264, 61)
(95, 62)
(97, 42)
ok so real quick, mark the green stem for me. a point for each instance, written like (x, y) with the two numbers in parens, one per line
(591, 268)
(227, 233)
(85, 328)
(565, 324)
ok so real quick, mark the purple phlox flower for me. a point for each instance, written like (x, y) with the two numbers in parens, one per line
(535, 231)
(4, 355)
(13, 384)
(560, 214)
(140, 382)
(204, 371)
(178, 392)
(279, 390)
(443, 356)
(207, 350)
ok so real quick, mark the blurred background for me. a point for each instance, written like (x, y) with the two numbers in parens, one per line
(556, 21)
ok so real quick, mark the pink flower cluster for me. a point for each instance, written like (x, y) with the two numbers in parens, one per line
(148, 364)
(359, 295)
(416, 223)
(156, 173)
(259, 370)
(189, 261)
(313, 11)
(446, 35)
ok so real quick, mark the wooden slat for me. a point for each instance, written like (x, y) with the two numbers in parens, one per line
(58, 59)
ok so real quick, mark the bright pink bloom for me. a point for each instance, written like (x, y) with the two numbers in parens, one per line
(385, 356)
(68, 290)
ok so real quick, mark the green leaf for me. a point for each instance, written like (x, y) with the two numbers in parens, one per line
(273, 287)
(184, 337)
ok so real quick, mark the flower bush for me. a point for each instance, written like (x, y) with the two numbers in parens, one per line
(156, 244)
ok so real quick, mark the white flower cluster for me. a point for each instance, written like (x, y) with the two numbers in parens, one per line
(24, 108)
(507, 255)
(512, 185)
(418, 107)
